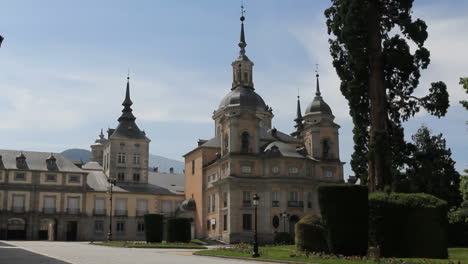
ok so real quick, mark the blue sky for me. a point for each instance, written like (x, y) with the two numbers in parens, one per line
(63, 66)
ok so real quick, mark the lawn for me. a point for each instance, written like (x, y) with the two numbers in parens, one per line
(131, 244)
(289, 253)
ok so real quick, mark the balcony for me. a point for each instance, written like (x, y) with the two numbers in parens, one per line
(49, 210)
(141, 212)
(17, 210)
(246, 203)
(275, 204)
(73, 211)
(98, 212)
(119, 212)
(296, 204)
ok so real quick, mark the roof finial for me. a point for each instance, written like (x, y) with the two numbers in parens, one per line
(242, 43)
(317, 92)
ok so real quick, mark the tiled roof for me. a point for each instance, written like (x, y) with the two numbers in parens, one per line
(36, 161)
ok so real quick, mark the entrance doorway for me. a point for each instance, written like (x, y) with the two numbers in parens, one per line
(47, 229)
(292, 223)
(16, 229)
(72, 230)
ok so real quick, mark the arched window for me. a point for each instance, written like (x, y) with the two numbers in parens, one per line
(326, 148)
(275, 221)
(226, 143)
(245, 138)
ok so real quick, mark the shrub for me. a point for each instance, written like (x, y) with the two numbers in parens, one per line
(458, 228)
(283, 238)
(310, 235)
(178, 230)
(408, 225)
(154, 228)
(344, 210)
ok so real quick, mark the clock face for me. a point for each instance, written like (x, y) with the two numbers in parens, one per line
(275, 169)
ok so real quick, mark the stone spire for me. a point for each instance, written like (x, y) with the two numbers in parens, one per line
(242, 66)
(317, 92)
(127, 103)
(299, 120)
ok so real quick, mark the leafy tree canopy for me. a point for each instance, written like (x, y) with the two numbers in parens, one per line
(464, 82)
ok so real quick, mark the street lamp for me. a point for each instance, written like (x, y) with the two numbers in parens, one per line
(112, 182)
(285, 216)
(255, 245)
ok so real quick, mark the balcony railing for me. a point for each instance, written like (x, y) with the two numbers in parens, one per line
(49, 210)
(141, 212)
(296, 204)
(99, 211)
(275, 203)
(18, 210)
(119, 212)
(73, 211)
(246, 203)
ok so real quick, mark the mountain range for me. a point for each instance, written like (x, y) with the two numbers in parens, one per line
(161, 162)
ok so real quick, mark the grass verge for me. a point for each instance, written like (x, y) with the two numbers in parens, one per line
(130, 244)
(289, 253)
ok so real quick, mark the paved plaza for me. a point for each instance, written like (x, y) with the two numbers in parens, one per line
(45, 252)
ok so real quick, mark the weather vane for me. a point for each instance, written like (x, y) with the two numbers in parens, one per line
(316, 68)
(242, 8)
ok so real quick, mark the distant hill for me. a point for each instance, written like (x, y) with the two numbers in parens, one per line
(161, 162)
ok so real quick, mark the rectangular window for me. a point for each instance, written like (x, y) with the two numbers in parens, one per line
(99, 206)
(20, 176)
(141, 227)
(193, 167)
(309, 200)
(18, 203)
(120, 176)
(225, 223)
(275, 201)
(329, 173)
(51, 178)
(246, 169)
(208, 224)
(120, 227)
(213, 203)
(74, 179)
(73, 205)
(225, 200)
(49, 204)
(293, 170)
(209, 203)
(121, 207)
(136, 177)
(142, 207)
(136, 158)
(167, 207)
(247, 221)
(99, 226)
(121, 159)
(293, 196)
(246, 196)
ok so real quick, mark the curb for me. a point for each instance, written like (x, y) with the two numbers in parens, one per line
(252, 259)
(200, 248)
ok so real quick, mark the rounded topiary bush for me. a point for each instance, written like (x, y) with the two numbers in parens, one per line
(310, 235)
(283, 238)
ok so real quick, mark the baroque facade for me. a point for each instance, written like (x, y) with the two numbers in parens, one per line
(46, 196)
(248, 156)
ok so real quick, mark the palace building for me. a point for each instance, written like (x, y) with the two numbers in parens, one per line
(45, 196)
(248, 156)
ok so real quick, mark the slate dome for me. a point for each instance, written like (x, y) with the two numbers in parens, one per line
(243, 96)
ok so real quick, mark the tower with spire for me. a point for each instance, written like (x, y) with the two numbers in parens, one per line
(125, 153)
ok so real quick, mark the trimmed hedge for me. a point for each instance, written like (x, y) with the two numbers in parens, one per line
(408, 225)
(154, 228)
(310, 235)
(344, 210)
(178, 230)
(283, 238)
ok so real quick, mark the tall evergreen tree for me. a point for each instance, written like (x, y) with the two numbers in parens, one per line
(431, 168)
(464, 82)
(379, 74)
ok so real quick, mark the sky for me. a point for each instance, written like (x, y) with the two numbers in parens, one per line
(63, 68)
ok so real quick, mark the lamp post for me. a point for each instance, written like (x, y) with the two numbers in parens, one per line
(112, 182)
(285, 216)
(255, 245)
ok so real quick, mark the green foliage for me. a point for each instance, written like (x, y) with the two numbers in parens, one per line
(458, 227)
(431, 169)
(310, 235)
(348, 24)
(283, 238)
(464, 82)
(464, 190)
(344, 210)
(408, 225)
(178, 230)
(154, 228)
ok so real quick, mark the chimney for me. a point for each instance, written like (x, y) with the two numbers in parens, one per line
(171, 170)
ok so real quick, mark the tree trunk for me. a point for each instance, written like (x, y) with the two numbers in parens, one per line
(379, 170)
